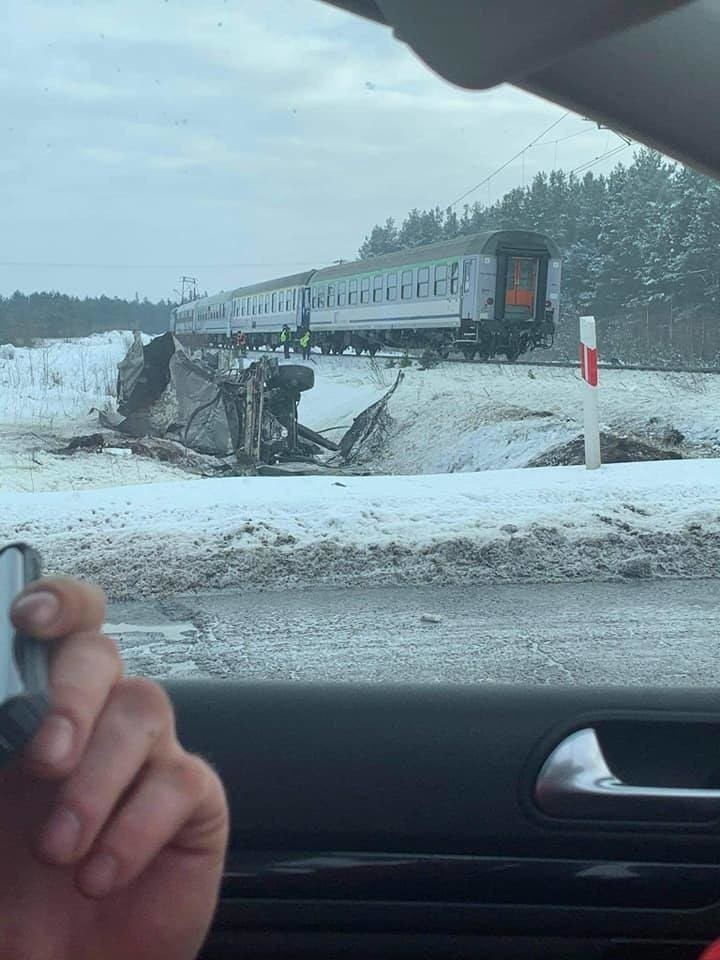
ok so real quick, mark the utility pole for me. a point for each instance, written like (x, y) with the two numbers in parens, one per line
(191, 284)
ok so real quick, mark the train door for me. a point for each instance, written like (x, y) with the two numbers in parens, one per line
(467, 302)
(521, 282)
(305, 309)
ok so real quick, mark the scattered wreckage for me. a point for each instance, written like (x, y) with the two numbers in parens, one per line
(213, 415)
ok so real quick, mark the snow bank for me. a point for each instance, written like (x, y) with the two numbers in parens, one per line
(548, 524)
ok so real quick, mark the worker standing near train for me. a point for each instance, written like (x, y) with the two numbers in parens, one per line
(285, 335)
(305, 343)
(242, 343)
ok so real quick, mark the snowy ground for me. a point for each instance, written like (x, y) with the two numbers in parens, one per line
(547, 524)
(46, 395)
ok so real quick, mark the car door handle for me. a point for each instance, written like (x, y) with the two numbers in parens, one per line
(575, 782)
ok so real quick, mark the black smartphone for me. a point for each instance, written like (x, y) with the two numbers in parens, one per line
(24, 696)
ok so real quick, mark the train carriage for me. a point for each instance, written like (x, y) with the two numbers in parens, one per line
(261, 310)
(485, 294)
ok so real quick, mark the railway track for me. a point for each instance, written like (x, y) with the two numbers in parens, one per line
(572, 364)
(560, 364)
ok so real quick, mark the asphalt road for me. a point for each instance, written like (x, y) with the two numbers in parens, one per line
(657, 633)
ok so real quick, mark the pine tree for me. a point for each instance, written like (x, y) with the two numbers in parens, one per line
(381, 239)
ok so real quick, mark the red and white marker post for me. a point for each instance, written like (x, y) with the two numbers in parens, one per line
(589, 370)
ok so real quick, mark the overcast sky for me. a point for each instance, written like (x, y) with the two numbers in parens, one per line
(232, 140)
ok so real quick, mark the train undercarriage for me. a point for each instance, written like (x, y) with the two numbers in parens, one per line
(481, 340)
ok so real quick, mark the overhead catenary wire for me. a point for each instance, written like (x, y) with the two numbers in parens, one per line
(603, 156)
(151, 266)
(507, 163)
(569, 136)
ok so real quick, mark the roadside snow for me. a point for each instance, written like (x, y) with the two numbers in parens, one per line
(549, 524)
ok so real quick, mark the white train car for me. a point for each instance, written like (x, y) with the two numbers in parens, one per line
(486, 294)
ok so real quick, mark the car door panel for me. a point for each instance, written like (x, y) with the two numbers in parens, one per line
(402, 809)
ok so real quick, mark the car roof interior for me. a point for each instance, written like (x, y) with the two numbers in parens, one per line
(649, 69)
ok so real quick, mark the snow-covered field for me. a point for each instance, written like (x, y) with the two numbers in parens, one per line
(144, 528)
(46, 395)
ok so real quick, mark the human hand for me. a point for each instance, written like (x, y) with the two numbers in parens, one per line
(112, 836)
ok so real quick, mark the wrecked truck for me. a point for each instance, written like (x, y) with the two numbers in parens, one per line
(249, 412)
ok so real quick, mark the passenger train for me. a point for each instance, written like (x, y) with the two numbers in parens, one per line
(486, 295)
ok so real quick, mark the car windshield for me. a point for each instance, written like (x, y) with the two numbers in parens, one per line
(291, 358)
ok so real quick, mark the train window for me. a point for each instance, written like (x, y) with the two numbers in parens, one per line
(406, 285)
(391, 288)
(377, 289)
(423, 284)
(365, 290)
(353, 292)
(267, 303)
(440, 288)
(454, 277)
(341, 295)
(467, 275)
(273, 303)
(321, 298)
(295, 299)
(331, 295)
(254, 306)
(313, 302)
